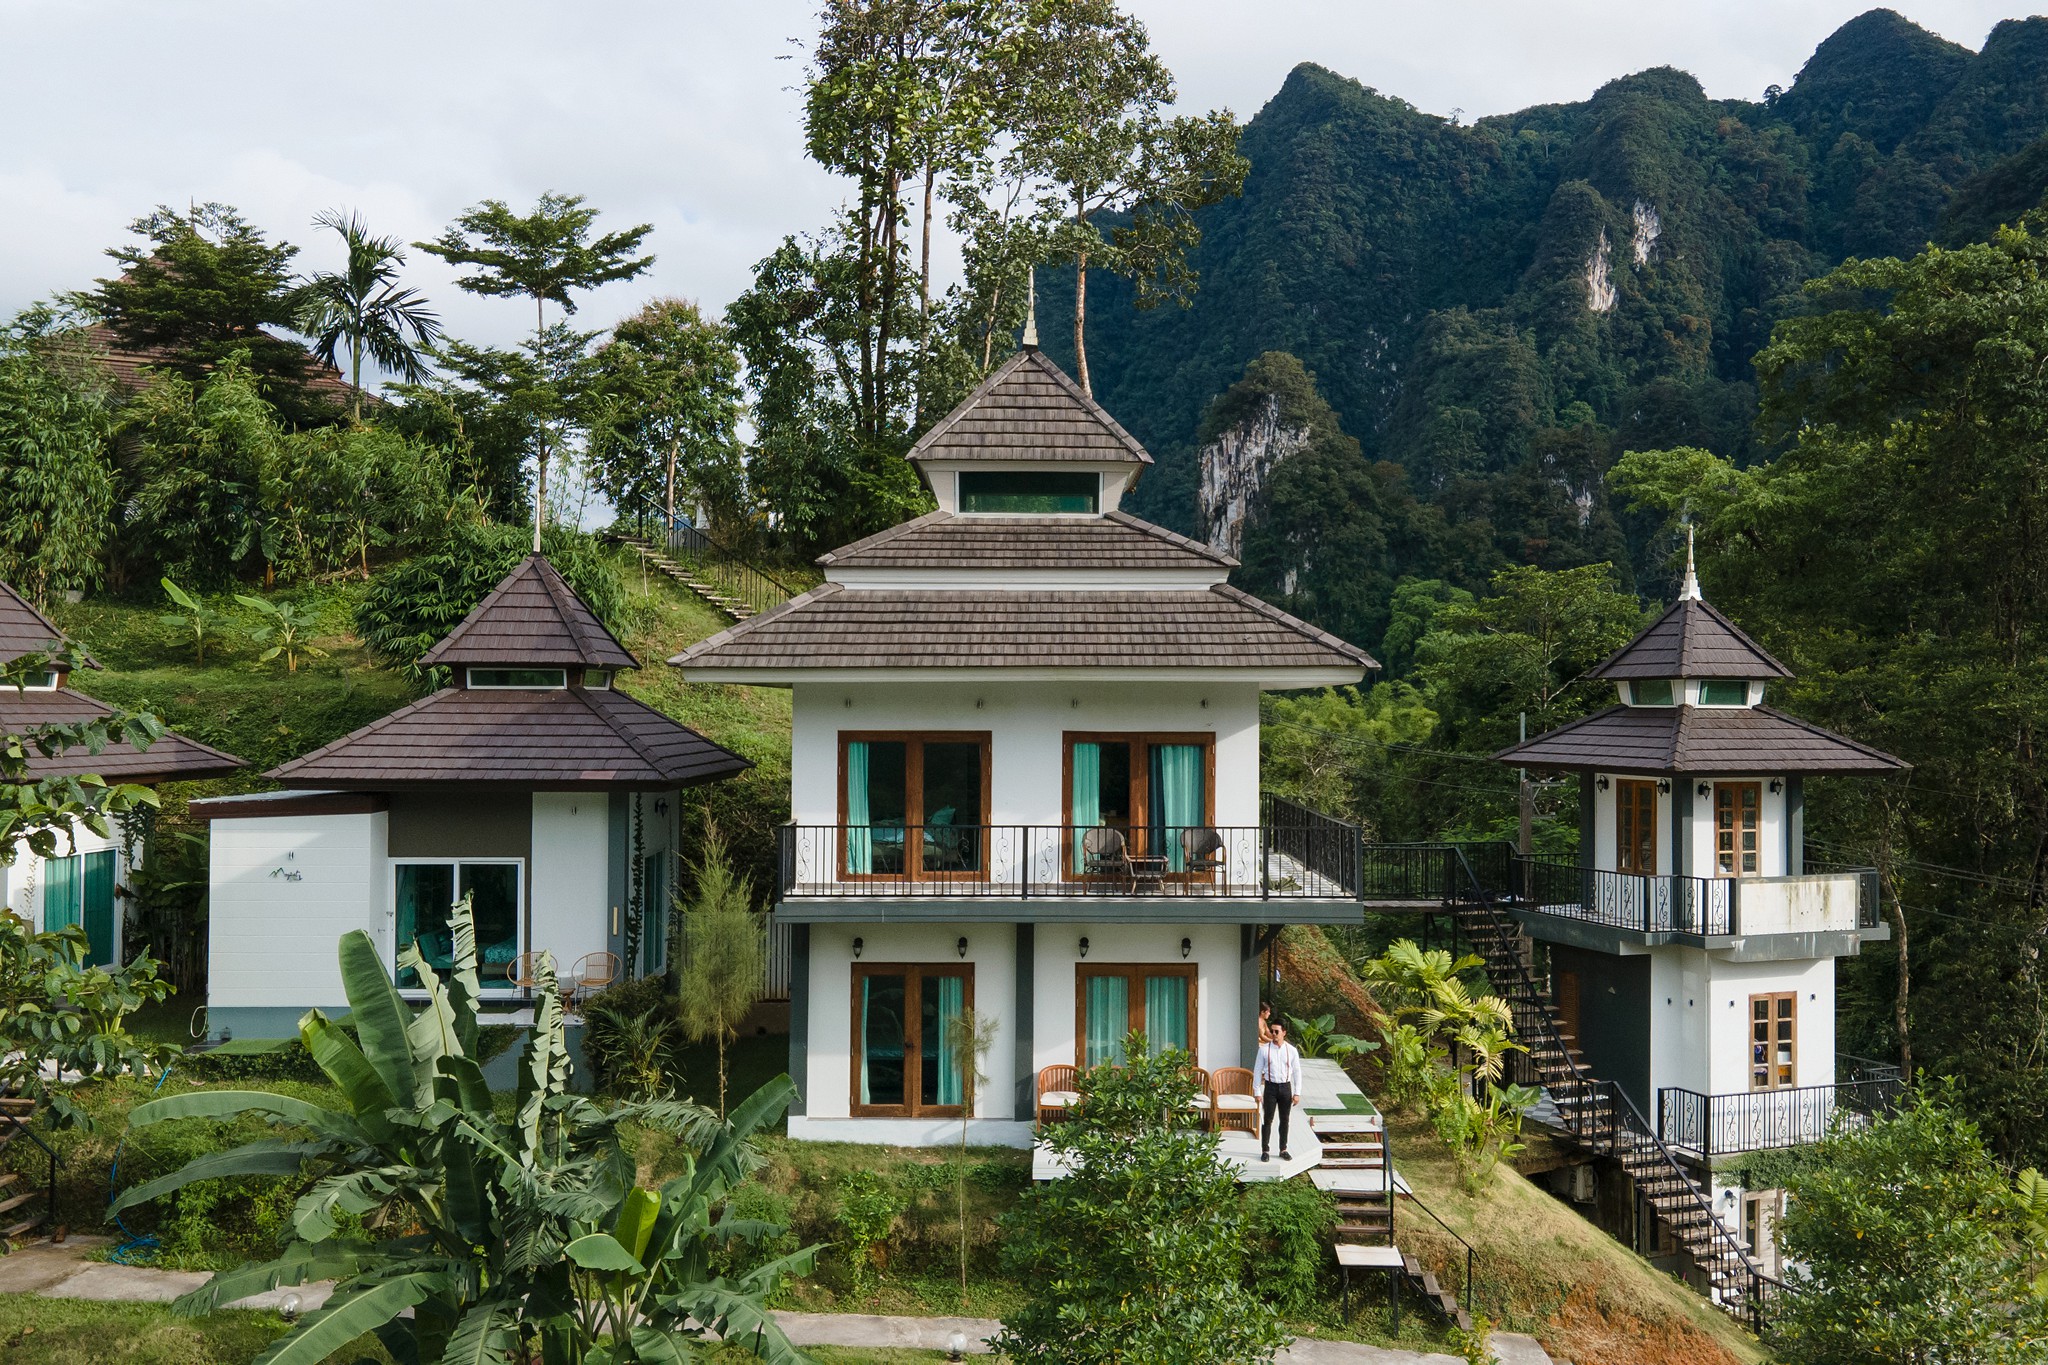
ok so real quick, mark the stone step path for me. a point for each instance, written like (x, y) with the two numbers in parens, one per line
(59, 1271)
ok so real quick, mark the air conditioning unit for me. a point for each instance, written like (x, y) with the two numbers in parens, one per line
(1581, 1187)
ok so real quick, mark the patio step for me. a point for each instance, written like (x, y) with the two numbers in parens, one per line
(1443, 1300)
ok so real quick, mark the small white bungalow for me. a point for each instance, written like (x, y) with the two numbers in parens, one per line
(529, 784)
(1026, 780)
(86, 884)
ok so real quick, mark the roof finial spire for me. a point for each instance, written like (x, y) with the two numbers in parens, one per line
(1030, 308)
(1689, 591)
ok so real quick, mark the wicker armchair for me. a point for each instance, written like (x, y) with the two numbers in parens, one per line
(1204, 1102)
(1201, 852)
(1059, 1092)
(1237, 1105)
(591, 974)
(1105, 854)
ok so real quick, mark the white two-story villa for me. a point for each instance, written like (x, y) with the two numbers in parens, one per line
(1026, 780)
(1692, 948)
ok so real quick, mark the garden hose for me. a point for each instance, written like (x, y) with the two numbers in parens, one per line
(140, 1248)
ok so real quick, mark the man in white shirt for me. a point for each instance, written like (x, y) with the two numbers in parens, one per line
(1276, 1079)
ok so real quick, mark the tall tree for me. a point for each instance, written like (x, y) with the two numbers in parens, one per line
(362, 307)
(56, 471)
(206, 457)
(667, 410)
(724, 955)
(549, 256)
(200, 286)
(1092, 129)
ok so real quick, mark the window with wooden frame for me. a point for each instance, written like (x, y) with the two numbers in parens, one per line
(1773, 1040)
(913, 805)
(1738, 829)
(1635, 826)
(1157, 791)
(1117, 999)
(904, 1018)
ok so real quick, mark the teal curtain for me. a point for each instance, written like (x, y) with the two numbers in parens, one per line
(1177, 794)
(98, 902)
(952, 1004)
(866, 993)
(1109, 1019)
(1085, 801)
(60, 893)
(860, 840)
(1166, 1012)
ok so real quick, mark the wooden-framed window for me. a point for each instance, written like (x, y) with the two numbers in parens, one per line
(1116, 999)
(1635, 826)
(1738, 829)
(1773, 1040)
(1760, 1212)
(1151, 788)
(904, 1015)
(913, 805)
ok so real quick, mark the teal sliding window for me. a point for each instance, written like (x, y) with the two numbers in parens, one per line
(1724, 692)
(914, 805)
(1149, 788)
(423, 892)
(60, 893)
(906, 1021)
(1177, 798)
(1118, 999)
(1030, 492)
(96, 905)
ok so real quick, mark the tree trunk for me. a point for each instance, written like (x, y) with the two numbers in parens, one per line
(924, 266)
(355, 381)
(540, 474)
(1901, 1019)
(1080, 323)
(721, 1073)
(669, 496)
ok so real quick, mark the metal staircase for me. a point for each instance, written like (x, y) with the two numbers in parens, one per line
(1597, 1115)
(26, 1206)
(689, 556)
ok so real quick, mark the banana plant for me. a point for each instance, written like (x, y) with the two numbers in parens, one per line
(197, 620)
(445, 1227)
(286, 628)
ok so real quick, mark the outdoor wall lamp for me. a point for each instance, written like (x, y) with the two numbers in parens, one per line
(661, 805)
(1777, 785)
(1084, 946)
(1601, 782)
(858, 944)
(963, 945)
(1187, 945)
(1705, 789)
(1664, 785)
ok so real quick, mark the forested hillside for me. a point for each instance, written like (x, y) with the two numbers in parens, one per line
(1501, 309)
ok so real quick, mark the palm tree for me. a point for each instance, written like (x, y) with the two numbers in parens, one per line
(363, 307)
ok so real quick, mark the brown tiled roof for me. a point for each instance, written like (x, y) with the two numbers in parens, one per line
(129, 366)
(23, 629)
(173, 758)
(1029, 410)
(838, 627)
(1691, 640)
(563, 739)
(945, 540)
(531, 619)
(1697, 739)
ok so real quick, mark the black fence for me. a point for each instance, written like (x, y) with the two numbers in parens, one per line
(718, 566)
(1758, 1120)
(1627, 900)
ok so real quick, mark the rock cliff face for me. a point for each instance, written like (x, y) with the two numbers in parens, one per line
(1236, 466)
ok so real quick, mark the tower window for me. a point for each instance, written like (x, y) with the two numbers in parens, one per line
(1029, 492)
(1657, 693)
(1721, 692)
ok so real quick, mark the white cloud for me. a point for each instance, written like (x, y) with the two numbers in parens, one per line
(685, 115)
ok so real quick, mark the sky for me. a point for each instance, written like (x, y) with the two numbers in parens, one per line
(681, 114)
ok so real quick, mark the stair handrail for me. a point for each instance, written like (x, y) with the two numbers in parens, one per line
(52, 1160)
(1760, 1284)
(1580, 1078)
(645, 510)
(1467, 1295)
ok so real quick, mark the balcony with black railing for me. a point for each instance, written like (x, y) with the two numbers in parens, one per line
(1294, 855)
(1708, 1126)
(1834, 900)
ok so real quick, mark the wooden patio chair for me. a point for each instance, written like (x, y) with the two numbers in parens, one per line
(524, 970)
(1237, 1105)
(1059, 1093)
(1105, 854)
(1204, 1102)
(591, 974)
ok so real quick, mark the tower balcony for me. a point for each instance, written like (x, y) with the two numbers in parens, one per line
(1704, 911)
(1709, 1126)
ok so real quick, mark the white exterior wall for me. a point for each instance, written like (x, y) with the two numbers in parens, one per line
(271, 937)
(1770, 828)
(1025, 722)
(827, 1082)
(1221, 1021)
(567, 875)
(1681, 1020)
(21, 882)
(1728, 1024)
(1605, 853)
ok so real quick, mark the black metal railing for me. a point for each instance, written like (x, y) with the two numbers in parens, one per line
(1297, 860)
(50, 1159)
(1758, 1120)
(718, 566)
(1850, 1067)
(1627, 900)
(1468, 1288)
(1329, 849)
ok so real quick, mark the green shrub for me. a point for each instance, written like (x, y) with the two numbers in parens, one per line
(607, 1049)
(408, 607)
(1287, 1227)
(867, 1211)
(998, 1177)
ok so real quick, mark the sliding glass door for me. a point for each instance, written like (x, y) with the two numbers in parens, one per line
(906, 1020)
(1156, 792)
(914, 806)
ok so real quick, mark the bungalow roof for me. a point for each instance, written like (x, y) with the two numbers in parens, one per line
(531, 619)
(1028, 409)
(1704, 740)
(947, 540)
(172, 758)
